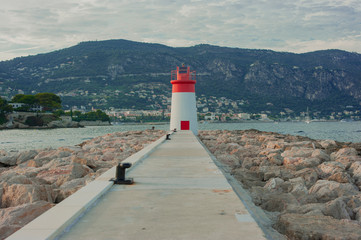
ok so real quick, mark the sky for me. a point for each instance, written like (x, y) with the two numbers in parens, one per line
(29, 27)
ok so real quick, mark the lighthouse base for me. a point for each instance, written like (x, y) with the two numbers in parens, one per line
(184, 112)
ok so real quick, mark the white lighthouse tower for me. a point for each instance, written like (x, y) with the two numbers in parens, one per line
(184, 110)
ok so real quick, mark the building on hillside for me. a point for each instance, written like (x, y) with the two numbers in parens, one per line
(17, 105)
(244, 116)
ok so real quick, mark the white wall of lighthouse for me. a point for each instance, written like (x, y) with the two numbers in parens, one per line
(184, 109)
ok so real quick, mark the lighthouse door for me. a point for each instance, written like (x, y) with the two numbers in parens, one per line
(184, 125)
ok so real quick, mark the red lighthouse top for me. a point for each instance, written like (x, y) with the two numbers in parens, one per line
(183, 80)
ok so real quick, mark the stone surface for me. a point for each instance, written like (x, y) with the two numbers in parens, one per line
(293, 174)
(301, 226)
(51, 175)
(325, 190)
(13, 218)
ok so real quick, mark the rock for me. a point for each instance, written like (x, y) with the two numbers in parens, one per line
(25, 156)
(355, 170)
(325, 191)
(354, 202)
(13, 218)
(298, 152)
(310, 209)
(275, 171)
(310, 176)
(276, 145)
(348, 160)
(327, 143)
(62, 171)
(299, 226)
(327, 169)
(337, 209)
(228, 159)
(248, 163)
(323, 156)
(278, 202)
(69, 188)
(298, 186)
(248, 178)
(9, 160)
(17, 194)
(341, 177)
(343, 152)
(52, 154)
(274, 183)
(357, 212)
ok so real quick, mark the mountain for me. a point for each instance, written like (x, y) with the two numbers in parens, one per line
(127, 74)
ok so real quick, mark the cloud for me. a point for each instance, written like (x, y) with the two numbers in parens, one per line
(30, 27)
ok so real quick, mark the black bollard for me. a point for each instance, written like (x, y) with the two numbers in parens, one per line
(175, 130)
(167, 137)
(120, 174)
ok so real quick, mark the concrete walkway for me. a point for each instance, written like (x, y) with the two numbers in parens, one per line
(178, 193)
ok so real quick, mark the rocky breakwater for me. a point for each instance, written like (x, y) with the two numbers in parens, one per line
(309, 188)
(33, 181)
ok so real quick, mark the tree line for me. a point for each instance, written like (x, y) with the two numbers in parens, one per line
(49, 101)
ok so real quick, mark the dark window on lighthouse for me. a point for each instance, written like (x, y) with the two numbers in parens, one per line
(183, 69)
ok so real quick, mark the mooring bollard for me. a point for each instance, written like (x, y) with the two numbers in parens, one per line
(167, 137)
(120, 174)
(175, 130)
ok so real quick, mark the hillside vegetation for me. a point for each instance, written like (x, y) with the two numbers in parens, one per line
(114, 73)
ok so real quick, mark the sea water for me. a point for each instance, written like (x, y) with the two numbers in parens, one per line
(26, 139)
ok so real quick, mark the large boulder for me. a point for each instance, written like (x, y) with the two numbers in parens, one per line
(272, 201)
(26, 156)
(17, 194)
(9, 160)
(327, 169)
(325, 191)
(355, 169)
(320, 154)
(327, 143)
(300, 226)
(338, 209)
(343, 152)
(310, 176)
(13, 218)
(69, 188)
(298, 152)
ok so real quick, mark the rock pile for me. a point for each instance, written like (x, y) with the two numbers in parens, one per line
(33, 181)
(311, 188)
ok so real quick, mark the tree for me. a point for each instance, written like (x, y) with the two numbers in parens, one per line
(4, 108)
(17, 98)
(49, 101)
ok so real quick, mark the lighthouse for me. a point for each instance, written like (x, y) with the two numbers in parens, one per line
(183, 110)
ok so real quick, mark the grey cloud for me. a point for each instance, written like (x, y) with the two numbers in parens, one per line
(272, 24)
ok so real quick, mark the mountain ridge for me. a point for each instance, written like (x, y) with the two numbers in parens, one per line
(265, 80)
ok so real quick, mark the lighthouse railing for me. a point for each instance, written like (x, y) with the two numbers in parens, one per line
(192, 75)
(173, 75)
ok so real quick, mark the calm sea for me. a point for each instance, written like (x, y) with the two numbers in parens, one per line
(37, 139)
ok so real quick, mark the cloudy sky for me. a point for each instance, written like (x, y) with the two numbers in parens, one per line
(29, 27)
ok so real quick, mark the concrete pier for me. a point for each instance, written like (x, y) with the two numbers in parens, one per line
(179, 193)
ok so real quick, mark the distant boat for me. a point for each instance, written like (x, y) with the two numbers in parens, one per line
(346, 120)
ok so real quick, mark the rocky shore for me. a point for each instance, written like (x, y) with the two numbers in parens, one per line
(33, 120)
(310, 189)
(33, 181)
